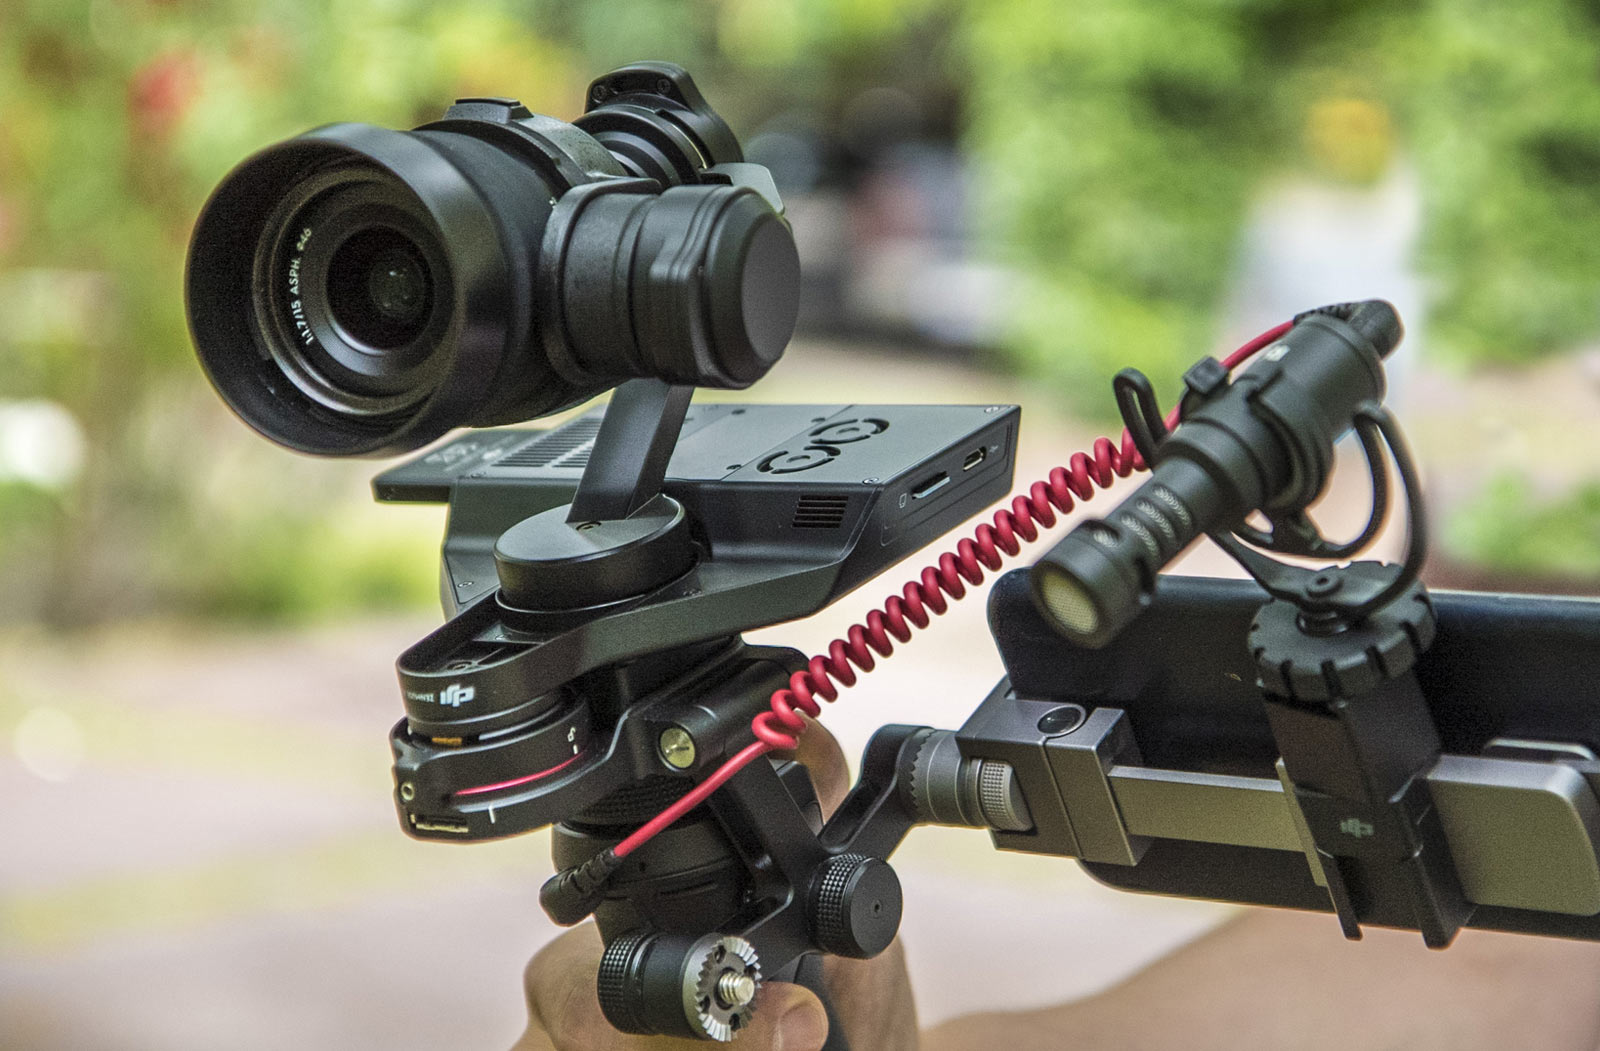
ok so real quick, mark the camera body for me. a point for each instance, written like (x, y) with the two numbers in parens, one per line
(357, 291)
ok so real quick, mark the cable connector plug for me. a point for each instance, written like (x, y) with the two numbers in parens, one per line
(571, 895)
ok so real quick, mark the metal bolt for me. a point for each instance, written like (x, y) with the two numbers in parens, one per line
(408, 791)
(735, 989)
(677, 748)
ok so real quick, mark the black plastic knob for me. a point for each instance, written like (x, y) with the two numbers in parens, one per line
(855, 906)
(1303, 660)
(547, 562)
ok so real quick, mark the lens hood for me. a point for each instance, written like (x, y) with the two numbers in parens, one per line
(258, 273)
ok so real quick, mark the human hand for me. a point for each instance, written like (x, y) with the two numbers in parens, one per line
(871, 998)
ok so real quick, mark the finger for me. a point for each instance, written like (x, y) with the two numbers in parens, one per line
(564, 1009)
(787, 1018)
(872, 999)
(819, 753)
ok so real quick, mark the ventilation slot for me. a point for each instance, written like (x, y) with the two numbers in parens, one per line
(819, 512)
(564, 447)
(577, 459)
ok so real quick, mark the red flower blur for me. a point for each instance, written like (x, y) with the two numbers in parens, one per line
(160, 93)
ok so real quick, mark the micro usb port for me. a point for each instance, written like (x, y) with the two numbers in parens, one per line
(974, 458)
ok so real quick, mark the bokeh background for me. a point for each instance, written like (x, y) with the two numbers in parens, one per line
(996, 200)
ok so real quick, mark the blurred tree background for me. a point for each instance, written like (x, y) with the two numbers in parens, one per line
(1110, 152)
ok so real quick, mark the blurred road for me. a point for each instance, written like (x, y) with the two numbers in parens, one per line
(197, 848)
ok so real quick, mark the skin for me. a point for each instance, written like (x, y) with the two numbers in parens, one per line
(1266, 980)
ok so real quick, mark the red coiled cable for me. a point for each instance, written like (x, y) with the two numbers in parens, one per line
(781, 726)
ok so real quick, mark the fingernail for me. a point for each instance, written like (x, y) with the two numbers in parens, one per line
(803, 1028)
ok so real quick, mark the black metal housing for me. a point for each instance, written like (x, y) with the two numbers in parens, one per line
(518, 267)
(1501, 666)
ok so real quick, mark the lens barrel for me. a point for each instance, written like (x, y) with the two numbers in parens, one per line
(357, 291)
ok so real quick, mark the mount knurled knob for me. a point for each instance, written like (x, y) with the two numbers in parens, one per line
(1301, 661)
(855, 905)
(663, 984)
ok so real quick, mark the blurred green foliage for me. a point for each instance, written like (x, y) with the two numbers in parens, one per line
(1517, 530)
(1121, 142)
(1117, 143)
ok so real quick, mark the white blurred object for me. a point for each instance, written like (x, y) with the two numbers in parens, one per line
(41, 443)
(1307, 243)
(49, 744)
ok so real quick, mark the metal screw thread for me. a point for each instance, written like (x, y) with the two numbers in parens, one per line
(735, 989)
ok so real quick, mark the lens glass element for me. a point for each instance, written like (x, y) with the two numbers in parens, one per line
(379, 288)
(354, 288)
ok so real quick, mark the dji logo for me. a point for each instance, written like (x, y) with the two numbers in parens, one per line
(1354, 826)
(455, 695)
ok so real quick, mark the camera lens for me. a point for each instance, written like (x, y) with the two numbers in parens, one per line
(351, 295)
(356, 291)
(379, 289)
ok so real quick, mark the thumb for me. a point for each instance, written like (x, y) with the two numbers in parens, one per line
(787, 1018)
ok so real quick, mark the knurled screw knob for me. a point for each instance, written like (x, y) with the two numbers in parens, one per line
(855, 905)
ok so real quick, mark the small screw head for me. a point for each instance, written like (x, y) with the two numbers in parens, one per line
(664, 86)
(1062, 720)
(991, 410)
(584, 526)
(1323, 585)
(677, 748)
(600, 93)
(408, 791)
(870, 481)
